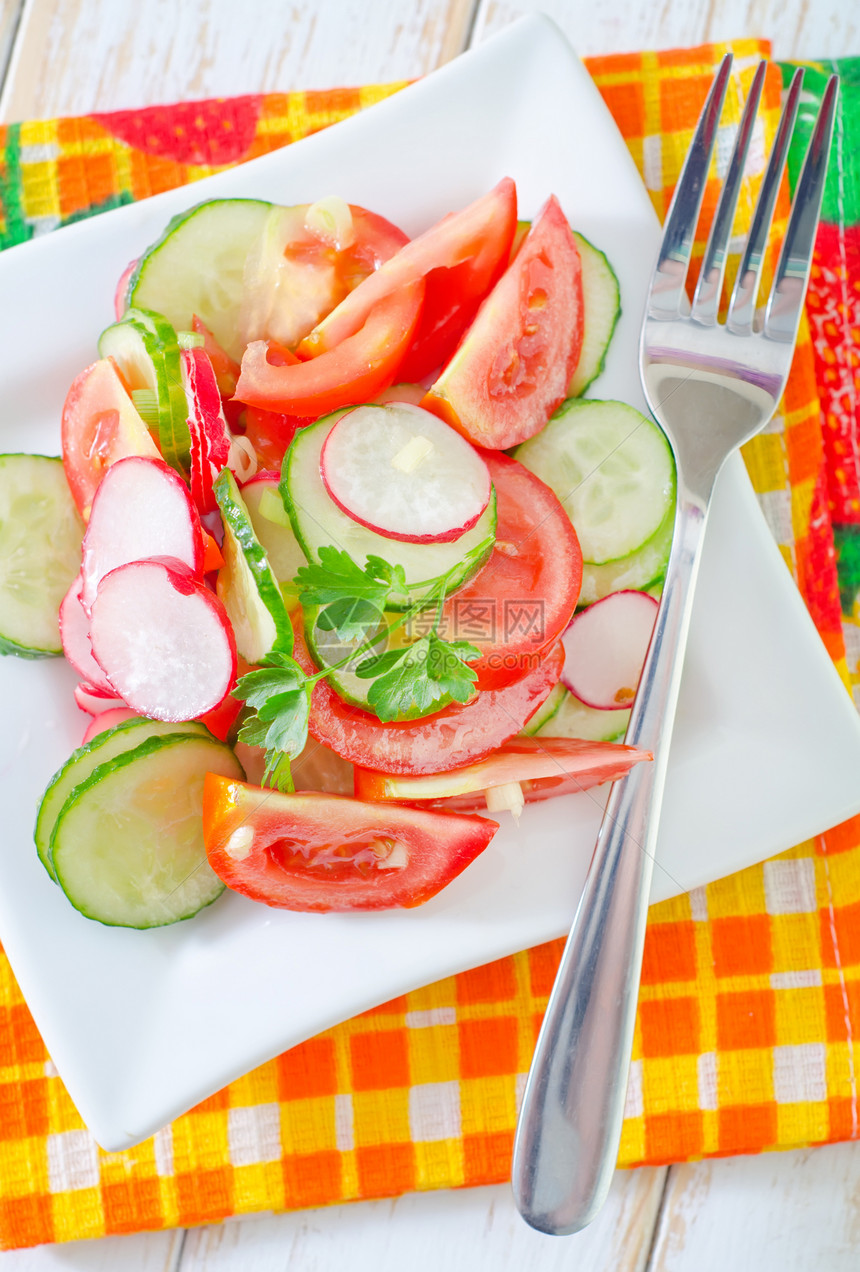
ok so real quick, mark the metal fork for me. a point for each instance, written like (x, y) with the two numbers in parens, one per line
(711, 386)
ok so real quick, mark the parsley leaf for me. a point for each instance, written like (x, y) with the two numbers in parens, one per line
(419, 678)
(407, 682)
(279, 701)
(352, 599)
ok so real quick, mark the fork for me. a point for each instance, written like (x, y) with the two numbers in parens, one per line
(711, 386)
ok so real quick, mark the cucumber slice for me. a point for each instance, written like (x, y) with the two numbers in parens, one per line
(573, 719)
(198, 266)
(613, 470)
(246, 585)
(145, 347)
(545, 712)
(602, 305)
(641, 570)
(81, 763)
(128, 844)
(273, 528)
(326, 649)
(318, 522)
(40, 553)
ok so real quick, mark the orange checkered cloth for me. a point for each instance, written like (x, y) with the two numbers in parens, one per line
(750, 998)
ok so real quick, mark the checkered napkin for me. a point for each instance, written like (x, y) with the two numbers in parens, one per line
(750, 997)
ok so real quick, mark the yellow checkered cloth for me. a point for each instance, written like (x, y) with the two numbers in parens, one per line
(751, 988)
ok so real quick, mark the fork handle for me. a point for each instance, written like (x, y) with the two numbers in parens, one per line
(573, 1105)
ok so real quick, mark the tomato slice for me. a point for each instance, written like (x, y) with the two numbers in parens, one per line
(316, 852)
(456, 735)
(573, 761)
(513, 366)
(99, 426)
(460, 258)
(357, 369)
(226, 368)
(516, 608)
(304, 261)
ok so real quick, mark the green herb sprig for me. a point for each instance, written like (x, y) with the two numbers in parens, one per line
(410, 681)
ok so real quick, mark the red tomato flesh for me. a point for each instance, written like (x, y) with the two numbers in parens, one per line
(316, 852)
(456, 735)
(583, 764)
(99, 426)
(515, 362)
(357, 369)
(460, 257)
(226, 368)
(518, 605)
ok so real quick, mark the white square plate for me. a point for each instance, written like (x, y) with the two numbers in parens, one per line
(142, 1025)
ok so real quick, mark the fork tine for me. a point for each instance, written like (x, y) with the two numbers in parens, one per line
(670, 272)
(795, 259)
(742, 305)
(709, 287)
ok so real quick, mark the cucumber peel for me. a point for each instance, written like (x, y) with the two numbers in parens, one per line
(318, 522)
(197, 267)
(82, 762)
(40, 553)
(247, 586)
(613, 471)
(601, 297)
(145, 347)
(128, 845)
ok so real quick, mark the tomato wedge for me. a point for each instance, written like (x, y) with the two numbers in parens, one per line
(99, 426)
(517, 607)
(316, 852)
(226, 368)
(454, 736)
(460, 258)
(573, 761)
(357, 369)
(513, 366)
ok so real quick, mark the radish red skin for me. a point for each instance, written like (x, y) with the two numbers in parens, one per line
(122, 502)
(403, 535)
(96, 701)
(610, 637)
(107, 720)
(75, 637)
(164, 639)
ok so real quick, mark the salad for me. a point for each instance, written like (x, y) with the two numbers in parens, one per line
(343, 558)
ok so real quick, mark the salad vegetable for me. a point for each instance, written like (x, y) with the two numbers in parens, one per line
(304, 539)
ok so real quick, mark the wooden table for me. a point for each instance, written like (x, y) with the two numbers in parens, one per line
(791, 1212)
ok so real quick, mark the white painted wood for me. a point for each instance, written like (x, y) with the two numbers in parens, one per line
(798, 28)
(72, 56)
(144, 1252)
(780, 1212)
(469, 1230)
(10, 11)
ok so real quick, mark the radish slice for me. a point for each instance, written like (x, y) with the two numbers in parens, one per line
(605, 647)
(96, 701)
(404, 473)
(210, 437)
(141, 509)
(120, 298)
(107, 720)
(163, 639)
(75, 636)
